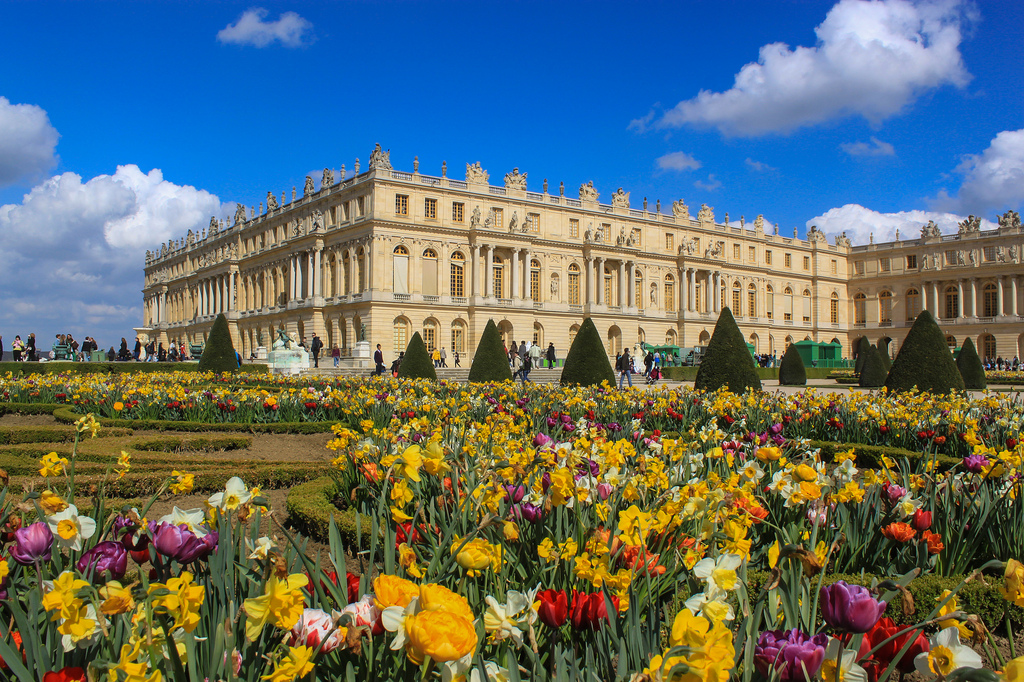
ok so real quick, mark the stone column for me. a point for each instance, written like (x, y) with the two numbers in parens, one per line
(318, 277)
(300, 278)
(630, 284)
(960, 299)
(691, 290)
(489, 272)
(938, 305)
(474, 267)
(528, 269)
(291, 278)
(622, 284)
(353, 283)
(368, 274)
(162, 316)
(1014, 309)
(974, 296)
(515, 275)
(999, 296)
(599, 279)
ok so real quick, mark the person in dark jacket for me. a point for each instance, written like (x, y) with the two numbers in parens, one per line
(551, 355)
(30, 347)
(314, 347)
(123, 354)
(111, 355)
(378, 359)
(138, 349)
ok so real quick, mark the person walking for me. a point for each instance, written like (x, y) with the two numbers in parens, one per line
(624, 365)
(444, 357)
(336, 354)
(648, 363)
(551, 355)
(517, 365)
(524, 373)
(534, 354)
(436, 357)
(30, 347)
(378, 360)
(457, 359)
(138, 349)
(315, 346)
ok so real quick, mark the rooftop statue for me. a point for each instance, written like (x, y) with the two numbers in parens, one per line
(476, 174)
(380, 158)
(620, 199)
(272, 204)
(680, 210)
(930, 230)
(588, 192)
(515, 180)
(706, 214)
(1009, 220)
(308, 188)
(328, 179)
(239, 214)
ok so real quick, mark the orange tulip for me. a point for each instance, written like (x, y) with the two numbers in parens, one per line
(901, 532)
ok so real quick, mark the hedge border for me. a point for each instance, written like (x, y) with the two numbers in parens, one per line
(310, 508)
(22, 368)
(870, 456)
(63, 413)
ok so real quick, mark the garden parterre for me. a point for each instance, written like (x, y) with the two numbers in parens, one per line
(535, 533)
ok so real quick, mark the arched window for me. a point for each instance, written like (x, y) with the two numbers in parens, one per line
(950, 342)
(459, 336)
(498, 276)
(538, 334)
(458, 274)
(833, 312)
(670, 337)
(574, 286)
(400, 280)
(431, 332)
(807, 305)
(670, 293)
(913, 304)
(987, 343)
(428, 279)
(573, 330)
(990, 300)
(952, 301)
(535, 279)
(860, 309)
(787, 303)
(400, 250)
(400, 338)
(752, 300)
(608, 279)
(737, 307)
(885, 308)
(769, 302)
(641, 335)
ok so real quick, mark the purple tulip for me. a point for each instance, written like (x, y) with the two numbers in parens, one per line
(975, 463)
(566, 419)
(514, 493)
(604, 490)
(849, 607)
(775, 429)
(32, 543)
(181, 544)
(106, 561)
(531, 512)
(542, 440)
(789, 653)
(895, 493)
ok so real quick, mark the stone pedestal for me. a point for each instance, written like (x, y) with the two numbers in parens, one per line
(362, 350)
(261, 353)
(291, 362)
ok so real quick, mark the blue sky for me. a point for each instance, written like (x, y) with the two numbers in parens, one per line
(125, 124)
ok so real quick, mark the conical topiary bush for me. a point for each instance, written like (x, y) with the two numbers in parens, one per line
(490, 362)
(791, 370)
(872, 374)
(883, 351)
(860, 353)
(971, 369)
(924, 361)
(219, 353)
(586, 363)
(417, 364)
(727, 361)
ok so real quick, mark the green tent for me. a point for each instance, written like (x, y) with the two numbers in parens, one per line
(821, 354)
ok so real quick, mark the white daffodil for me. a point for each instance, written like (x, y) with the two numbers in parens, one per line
(85, 633)
(614, 477)
(495, 673)
(752, 471)
(235, 495)
(191, 518)
(508, 620)
(70, 529)
(711, 606)
(908, 505)
(848, 671)
(946, 655)
(260, 549)
(393, 620)
(845, 472)
(721, 573)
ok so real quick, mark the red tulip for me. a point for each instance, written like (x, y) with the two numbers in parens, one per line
(885, 628)
(589, 610)
(65, 675)
(554, 607)
(922, 520)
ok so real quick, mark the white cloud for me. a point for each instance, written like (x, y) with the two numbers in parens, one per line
(72, 252)
(993, 180)
(759, 166)
(27, 142)
(677, 161)
(290, 30)
(861, 223)
(710, 186)
(872, 59)
(874, 148)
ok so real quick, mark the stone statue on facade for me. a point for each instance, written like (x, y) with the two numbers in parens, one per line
(654, 293)
(973, 256)
(680, 210)
(380, 158)
(599, 234)
(691, 246)
(513, 221)
(1014, 252)
(327, 180)
(1009, 220)
(960, 258)
(308, 188)
(489, 220)
(843, 240)
(588, 235)
(714, 250)
(214, 225)
(444, 169)
(318, 220)
(271, 202)
(971, 225)
(1000, 254)
(554, 285)
(930, 230)
(620, 199)
(816, 235)
(476, 174)
(706, 214)
(190, 238)
(588, 192)
(239, 214)
(515, 180)
(362, 332)
(474, 218)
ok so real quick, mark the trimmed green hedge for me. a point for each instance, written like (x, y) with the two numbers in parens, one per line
(586, 363)
(174, 444)
(870, 456)
(310, 508)
(64, 413)
(924, 361)
(21, 368)
(15, 435)
(490, 363)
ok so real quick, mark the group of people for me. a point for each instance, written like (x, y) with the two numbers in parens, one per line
(21, 351)
(766, 359)
(999, 364)
(440, 357)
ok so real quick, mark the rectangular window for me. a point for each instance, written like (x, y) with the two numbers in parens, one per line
(360, 207)
(990, 253)
(789, 260)
(834, 311)
(883, 264)
(430, 338)
(430, 209)
(735, 251)
(951, 257)
(401, 204)
(458, 280)
(574, 288)
(499, 281)
(752, 253)
(499, 219)
(670, 241)
(807, 262)
(767, 257)
(399, 339)
(670, 296)
(533, 221)
(636, 234)
(769, 303)
(736, 301)
(345, 211)
(608, 290)
(458, 216)
(912, 262)
(858, 267)
(458, 340)
(835, 266)
(574, 228)
(606, 230)
(535, 285)
(638, 293)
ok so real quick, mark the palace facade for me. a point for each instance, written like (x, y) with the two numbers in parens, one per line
(383, 253)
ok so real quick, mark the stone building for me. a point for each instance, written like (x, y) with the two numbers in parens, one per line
(385, 253)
